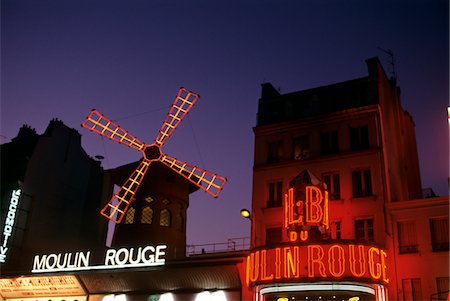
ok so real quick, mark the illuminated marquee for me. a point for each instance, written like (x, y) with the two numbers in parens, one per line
(300, 215)
(62, 285)
(325, 261)
(9, 223)
(114, 259)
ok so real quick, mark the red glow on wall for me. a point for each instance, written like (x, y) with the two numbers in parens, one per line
(209, 182)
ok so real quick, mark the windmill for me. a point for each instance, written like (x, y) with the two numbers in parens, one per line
(116, 208)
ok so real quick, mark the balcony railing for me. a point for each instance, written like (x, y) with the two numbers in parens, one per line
(232, 244)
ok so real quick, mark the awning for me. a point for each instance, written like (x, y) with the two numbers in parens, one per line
(186, 276)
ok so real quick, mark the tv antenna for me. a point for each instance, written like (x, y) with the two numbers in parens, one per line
(390, 54)
(119, 203)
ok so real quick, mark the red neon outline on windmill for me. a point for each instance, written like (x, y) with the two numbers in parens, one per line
(205, 180)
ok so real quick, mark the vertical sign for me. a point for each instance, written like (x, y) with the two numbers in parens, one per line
(8, 224)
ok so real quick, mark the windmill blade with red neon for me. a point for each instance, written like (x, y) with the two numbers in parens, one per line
(118, 205)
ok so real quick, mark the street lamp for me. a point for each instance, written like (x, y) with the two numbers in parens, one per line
(245, 213)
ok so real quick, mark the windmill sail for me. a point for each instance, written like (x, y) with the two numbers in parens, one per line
(209, 182)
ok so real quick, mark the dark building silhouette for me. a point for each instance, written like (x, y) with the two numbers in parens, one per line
(61, 193)
(158, 213)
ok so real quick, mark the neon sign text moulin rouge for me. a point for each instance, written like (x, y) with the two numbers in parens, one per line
(114, 259)
(317, 261)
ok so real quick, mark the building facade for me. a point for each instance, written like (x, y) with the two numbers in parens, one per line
(337, 212)
(356, 137)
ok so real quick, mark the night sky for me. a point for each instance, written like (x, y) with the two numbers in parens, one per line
(127, 59)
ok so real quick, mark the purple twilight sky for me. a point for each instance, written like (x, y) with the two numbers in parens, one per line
(127, 59)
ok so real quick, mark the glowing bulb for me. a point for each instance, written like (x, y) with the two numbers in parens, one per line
(108, 298)
(245, 213)
(448, 114)
(166, 297)
(218, 296)
(203, 296)
(121, 297)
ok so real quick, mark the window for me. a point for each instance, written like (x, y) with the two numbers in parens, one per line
(329, 143)
(412, 289)
(359, 138)
(407, 241)
(275, 153)
(361, 183)
(364, 229)
(333, 185)
(147, 215)
(273, 235)
(335, 230)
(442, 284)
(439, 234)
(129, 218)
(275, 194)
(300, 147)
(164, 218)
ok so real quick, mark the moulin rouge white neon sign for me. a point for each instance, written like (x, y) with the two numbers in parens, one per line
(114, 259)
(9, 224)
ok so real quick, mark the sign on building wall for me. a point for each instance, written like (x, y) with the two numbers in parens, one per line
(113, 259)
(66, 285)
(317, 262)
(8, 224)
(305, 210)
(309, 254)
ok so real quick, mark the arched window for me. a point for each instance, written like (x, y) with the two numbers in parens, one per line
(147, 215)
(129, 218)
(164, 218)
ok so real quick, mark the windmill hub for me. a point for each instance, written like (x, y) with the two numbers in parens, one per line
(152, 152)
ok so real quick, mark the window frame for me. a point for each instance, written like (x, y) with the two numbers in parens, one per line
(442, 245)
(362, 185)
(302, 142)
(130, 215)
(275, 151)
(272, 200)
(407, 242)
(412, 289)
(331, 187)
(329, 142)
(369, 230)
(165, 213)
(359, 137)
(336, 229)
(144, 214)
